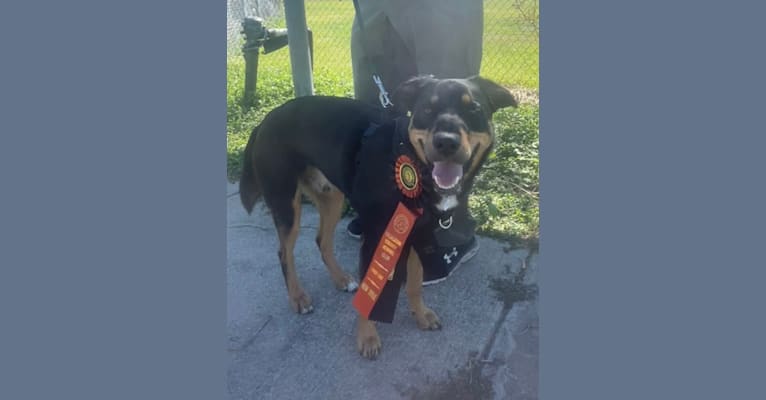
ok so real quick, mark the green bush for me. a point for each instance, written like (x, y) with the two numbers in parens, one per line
(505, 195)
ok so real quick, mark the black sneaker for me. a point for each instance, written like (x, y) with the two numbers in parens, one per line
(446, 260)
(354, 228)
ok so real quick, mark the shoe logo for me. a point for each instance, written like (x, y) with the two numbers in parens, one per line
(448, 257)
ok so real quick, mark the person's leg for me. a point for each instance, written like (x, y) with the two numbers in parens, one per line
(444, 36)
(361, 55)
(375, 25)
(385, 52)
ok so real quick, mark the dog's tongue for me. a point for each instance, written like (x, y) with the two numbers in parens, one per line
(446, 174)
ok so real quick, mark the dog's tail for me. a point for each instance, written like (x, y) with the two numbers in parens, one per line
(249, 190)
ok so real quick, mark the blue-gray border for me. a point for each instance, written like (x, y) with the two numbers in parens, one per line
(113, 168)
(112, 157)
(651, 200)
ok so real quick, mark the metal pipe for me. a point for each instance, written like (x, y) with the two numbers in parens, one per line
(251, 76)
(298, 42)
(254, 34)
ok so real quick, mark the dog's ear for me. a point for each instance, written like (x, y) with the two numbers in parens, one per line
(407, 93)
(499, 97)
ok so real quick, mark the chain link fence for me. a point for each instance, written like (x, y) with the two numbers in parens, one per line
(510, 41)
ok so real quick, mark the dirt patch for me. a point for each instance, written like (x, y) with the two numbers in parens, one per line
(466, 383)
(512, 290)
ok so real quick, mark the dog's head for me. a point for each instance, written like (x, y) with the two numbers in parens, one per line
(450, 127)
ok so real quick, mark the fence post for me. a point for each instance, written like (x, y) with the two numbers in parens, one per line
(254, 34)
(297, 37)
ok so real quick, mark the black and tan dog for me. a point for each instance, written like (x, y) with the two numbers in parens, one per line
(330, 148)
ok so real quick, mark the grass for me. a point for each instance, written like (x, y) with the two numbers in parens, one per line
(505, 197)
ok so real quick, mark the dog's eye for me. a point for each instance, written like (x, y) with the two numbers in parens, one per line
(427, 111)
(474, 106)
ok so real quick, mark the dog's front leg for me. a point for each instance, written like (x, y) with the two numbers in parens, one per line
(367, 339)
(426, 319)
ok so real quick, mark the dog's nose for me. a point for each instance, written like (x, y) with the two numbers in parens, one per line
(446, 143)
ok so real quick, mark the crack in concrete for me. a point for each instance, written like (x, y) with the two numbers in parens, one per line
(491, 341)
(252, 338)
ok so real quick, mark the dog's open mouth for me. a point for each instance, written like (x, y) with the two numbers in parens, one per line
(447, 174)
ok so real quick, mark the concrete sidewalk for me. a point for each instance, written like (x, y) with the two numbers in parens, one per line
(488, 347)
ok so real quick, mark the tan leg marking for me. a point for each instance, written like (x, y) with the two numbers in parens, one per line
(426, 319)
(367, 339)
(299, 300)
(329, 202)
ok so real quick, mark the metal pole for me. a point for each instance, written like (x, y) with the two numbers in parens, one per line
(254, 34)
(297, 37)
(251, 75)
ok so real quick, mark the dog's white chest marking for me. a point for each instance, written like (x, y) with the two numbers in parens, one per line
(447, 203)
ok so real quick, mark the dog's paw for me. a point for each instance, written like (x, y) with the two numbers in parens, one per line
(351, 285)
(301, 303)
(427, 320)
(368, 346)
(367, 339)
(346, 284)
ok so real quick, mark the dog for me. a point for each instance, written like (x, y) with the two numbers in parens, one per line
(331, 148)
